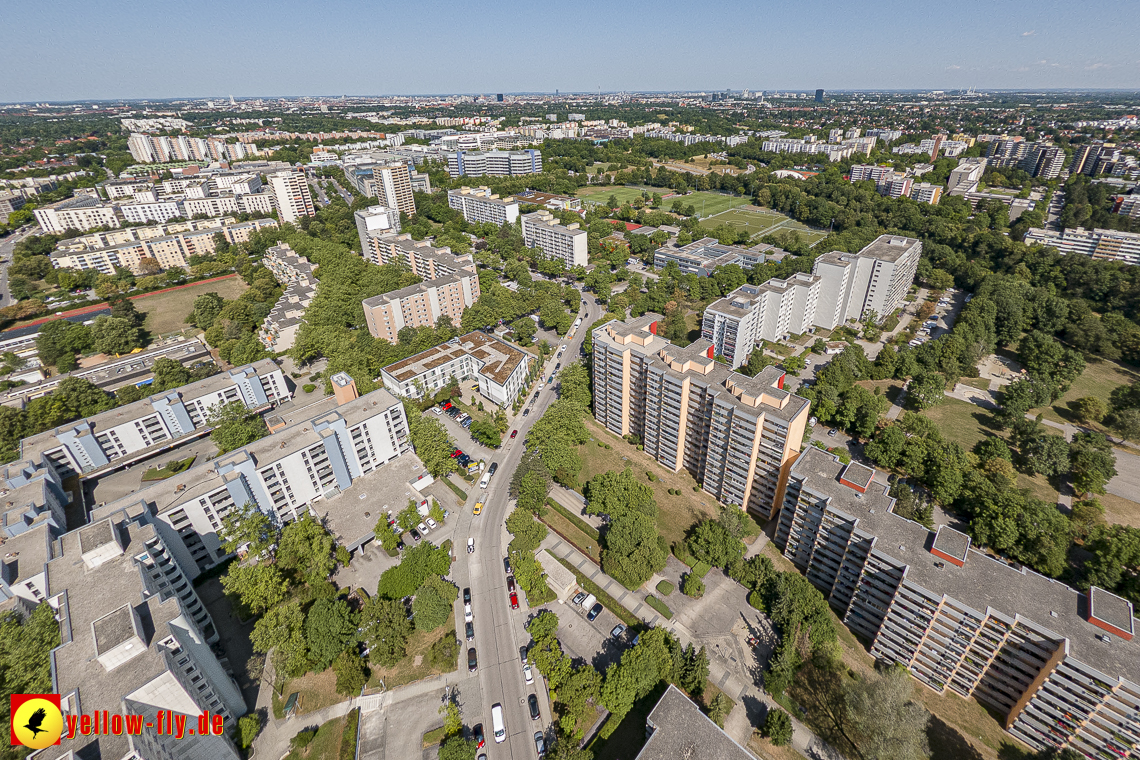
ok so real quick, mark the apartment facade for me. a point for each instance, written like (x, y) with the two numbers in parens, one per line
(152, 424)
(966, 176)
(421, 305)
(500, 368)
(1097, 243)
(752, 313)
(736, 435)
(291, 195)
(172, 250)
(375, 220)
(10, 202)
(925, 192)
(279, 330)
(876, 279)
(81, 212)
(155, 149)
(135, 639)
(479, 204)
(424, 259)
(1062, 666)
(702, 257)
(567, 243)
(500, 163)
(389, 182)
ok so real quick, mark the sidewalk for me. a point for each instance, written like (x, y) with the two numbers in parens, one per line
(739, 687)
(573, 502)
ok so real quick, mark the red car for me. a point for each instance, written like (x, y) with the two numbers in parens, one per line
(457, 453)
(514, 601)
(514, 433)
(447, 406)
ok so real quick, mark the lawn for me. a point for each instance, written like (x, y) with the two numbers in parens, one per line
(569, 531)
(1120, 510)
(420, 663)
(1099, 379)
(317, 690)
(707, 204)
(325, 745)
(677, 513)
(960, 421)
(623, 193)
(166, 312)
(756, 220)
(168, 470)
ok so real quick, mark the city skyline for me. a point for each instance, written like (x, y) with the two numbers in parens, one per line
(795, 48)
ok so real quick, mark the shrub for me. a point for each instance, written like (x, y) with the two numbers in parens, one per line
(652, 478)
(659, 605)
(757, 600)
(665, 588)
(249, 726)
(348, 740)
(693, 586)
(308, 387)
(695, 489)
(681, 552)
(608, 446)
(778, 727)
(302, 738)
(343, 556)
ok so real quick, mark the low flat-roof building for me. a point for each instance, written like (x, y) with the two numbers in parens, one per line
(550, 200)
(500, 368)
(701, 257)
(677, 728)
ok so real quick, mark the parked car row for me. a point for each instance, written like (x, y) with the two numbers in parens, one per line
(452, 411)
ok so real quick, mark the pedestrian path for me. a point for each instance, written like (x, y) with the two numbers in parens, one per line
(735, 684)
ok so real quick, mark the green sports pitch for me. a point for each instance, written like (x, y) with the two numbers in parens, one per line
(763, 222)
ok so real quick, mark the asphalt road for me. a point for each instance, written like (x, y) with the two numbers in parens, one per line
(6, 246)
(498, 629)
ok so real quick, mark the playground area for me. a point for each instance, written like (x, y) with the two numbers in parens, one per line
(759, 221)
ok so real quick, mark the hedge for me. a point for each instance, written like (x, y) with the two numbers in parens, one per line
(578, 522)
(701, 569)
(681, 552)
(665, 588)
(458, 491)
(348, 741)
(607, 601)
(659, 605)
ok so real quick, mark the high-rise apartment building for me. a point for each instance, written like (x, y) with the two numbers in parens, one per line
(1098, 243)
(751, 313)
(389, 182)
(819, 96)
(568, 243)
(876, 279)
(291, 195)
(735, 434)
(924, 192)
(1043, 161)
(965, 177)
(1085, 157)
(375, 220)
(501, 163)
(421, 305)
(1061, 666)
(479, 204)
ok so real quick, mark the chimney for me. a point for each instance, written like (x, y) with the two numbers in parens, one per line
(344, 388)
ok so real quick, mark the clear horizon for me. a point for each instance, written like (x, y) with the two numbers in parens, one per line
(129, 50)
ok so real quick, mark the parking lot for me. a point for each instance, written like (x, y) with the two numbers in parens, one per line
(585, 641)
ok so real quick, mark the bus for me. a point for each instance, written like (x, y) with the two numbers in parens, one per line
(497, 723)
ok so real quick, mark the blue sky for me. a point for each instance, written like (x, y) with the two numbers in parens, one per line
(64, 50)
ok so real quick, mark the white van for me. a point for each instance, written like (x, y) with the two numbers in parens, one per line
(497, 723)
(485, 479)
(589, 602)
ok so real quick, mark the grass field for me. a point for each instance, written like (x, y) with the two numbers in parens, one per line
(959, 421)
(623, 193)
(166, 312)
(1120, 510)
(325, 745)
(757, 221)
(1099, 379)
(418, 663)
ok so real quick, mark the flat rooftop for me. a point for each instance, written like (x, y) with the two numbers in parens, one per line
(681, 731)
(983, 582)
(498, 358)
(352, 515)
(889, 247)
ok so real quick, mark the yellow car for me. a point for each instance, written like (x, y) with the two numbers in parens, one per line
(478, 508)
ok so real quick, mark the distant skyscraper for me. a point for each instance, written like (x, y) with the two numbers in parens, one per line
(499, 97)
(819, 96)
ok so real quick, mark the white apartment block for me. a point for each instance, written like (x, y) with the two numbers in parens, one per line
(169, 250)
(789, 145)
(279, 330)
(152, 211)
(124, 188)
(425, 260)
(389, 182)
(136, 639)
(876, 279)
(291, 195)
(500, 368)
(567, 243)
(1125, 205)
(925, 192)
(261, 202)
(501, 163)
(481, 205)
(736, 435)
(421, 305)
(964, 178)
(752, 313)
(135, 431)
(152, 149)
(81, 212)
(375, 220)
(32, 518)
(1098, 243)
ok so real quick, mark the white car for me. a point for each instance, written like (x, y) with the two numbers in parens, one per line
(562, 347)
(467, 616)
(470, 545)
(527, 674)
(422, 528)
(432, 523)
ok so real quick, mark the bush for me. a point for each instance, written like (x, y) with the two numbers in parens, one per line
(343, 556)
(249, 726)
(778, 727)
(302, 738)
(308, 387)
(665, 588)
(659, 605)
(701, 569)
(652, 478)
(693, 586)
(756, 600)
(681, 552)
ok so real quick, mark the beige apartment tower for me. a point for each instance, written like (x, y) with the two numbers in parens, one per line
(291, 195)
(737, 435)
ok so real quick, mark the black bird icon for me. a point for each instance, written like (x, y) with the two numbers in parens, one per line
(36, 721)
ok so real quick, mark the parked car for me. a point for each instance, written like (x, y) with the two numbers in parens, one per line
(526, 411)
(532, 703)
(478, 509)
(618, 630)
(472, 660)
(507, 565)
(471, 545)
(511, 583)
(579, 597)
(437, 410)
(514, 601)
(539, 744)
(469, 627)
(477, 733)
(467, 595)
(514, 433)
(832, 433)
(422, 528)
(415, 536)
(467, 615)
(432, 523)
(594, 612)
(528, 676)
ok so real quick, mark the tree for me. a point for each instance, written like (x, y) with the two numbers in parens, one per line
(1093, 462)
(431, 443)
(282, 631)
(433, 603)
(778, 727)
(249, 726)
(528, 533)
(306, 550)
(616, 493)
(693, 586)
(169, 374)
(259, 585)
(350, 673)
(25, 652)
(234, 426)
(452, 722)
(417, 563)
(1127, 423)
(1048, 455)
(61, 339)
(113, 335)
(386, 535)
(486, 433)
(329, 627)
(634, 550)
(694, 670)
(248, 526)
(409, 516)
(720, 709)
(887, 724)
(926, 390)
(542, 626)
(457, 748)
(574, 385)
(385, 628)
(710, 541)
(1090, 409)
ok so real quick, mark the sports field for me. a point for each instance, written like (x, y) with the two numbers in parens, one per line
(704, 203)
(623, 194)
(764, 222)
